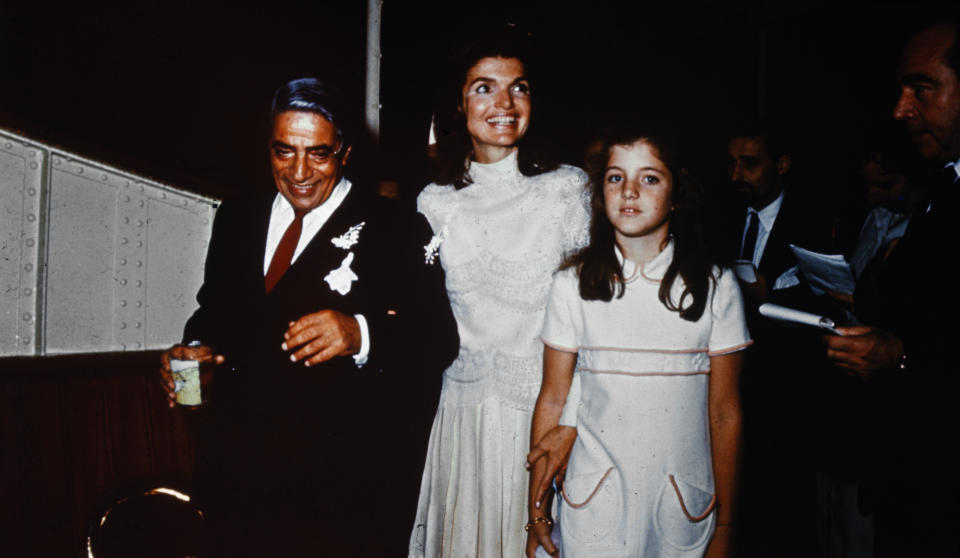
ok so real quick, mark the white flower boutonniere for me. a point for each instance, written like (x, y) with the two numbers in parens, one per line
(349, 238)
(342, 278)
(433, 247)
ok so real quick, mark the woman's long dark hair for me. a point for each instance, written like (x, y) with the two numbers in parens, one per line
(454, 148)
(601, 274)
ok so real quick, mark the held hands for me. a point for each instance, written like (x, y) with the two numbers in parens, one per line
(555, 446)
(539, 535)
(548, 459)
(321, 336)
(864, 350)
(200, 353)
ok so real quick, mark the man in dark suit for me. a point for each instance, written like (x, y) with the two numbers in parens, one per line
(779, 380)
(907, 354)
(329, 321)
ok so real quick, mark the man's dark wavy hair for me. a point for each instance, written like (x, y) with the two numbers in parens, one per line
(599, 271)
(312, 95)
(454, 148)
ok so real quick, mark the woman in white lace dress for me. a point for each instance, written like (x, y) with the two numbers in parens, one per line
(504, 222)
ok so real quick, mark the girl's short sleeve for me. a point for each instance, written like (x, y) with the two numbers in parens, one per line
(563, 321)
(729, 330)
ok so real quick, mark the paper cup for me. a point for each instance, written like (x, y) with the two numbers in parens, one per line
(186, 379)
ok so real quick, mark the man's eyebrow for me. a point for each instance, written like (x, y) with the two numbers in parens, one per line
(321, 147)
(278, 143)
(910, 79)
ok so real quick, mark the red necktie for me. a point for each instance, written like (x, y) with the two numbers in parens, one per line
(284, 253)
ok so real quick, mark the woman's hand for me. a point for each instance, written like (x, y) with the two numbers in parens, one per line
(199, 353)
(539, 535)
(721, 544)
(554, 448)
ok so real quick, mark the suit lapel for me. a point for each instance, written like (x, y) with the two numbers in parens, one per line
(320, 256)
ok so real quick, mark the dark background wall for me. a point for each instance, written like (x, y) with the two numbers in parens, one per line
(179, 91)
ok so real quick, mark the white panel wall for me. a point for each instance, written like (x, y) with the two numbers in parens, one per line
(93, 259)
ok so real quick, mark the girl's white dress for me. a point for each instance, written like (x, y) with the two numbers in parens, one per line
(640, 477)
(500, 240)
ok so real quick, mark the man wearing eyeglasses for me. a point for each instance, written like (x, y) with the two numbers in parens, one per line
(328, 322)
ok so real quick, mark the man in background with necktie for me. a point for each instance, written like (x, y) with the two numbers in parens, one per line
(329, 323)
(779, 384)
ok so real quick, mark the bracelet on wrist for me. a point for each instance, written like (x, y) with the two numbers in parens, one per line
(533, 522)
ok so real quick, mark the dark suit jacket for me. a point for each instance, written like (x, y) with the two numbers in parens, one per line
(316, 442)
(915, 297)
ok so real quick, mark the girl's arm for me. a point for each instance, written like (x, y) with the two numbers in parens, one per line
(725, 424)
(558, 367)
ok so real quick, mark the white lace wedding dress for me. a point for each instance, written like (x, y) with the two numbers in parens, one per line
(501, 239)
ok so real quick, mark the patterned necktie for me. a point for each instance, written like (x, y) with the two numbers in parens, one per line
(284, 253)
(750, 240)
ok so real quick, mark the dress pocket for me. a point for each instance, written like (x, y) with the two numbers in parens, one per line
(684, 517)
(593, 505)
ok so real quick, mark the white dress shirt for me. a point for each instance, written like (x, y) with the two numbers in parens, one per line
(281, 215)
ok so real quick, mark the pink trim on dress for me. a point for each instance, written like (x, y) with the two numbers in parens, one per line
(558, 347)
(563, 491)
(732, 349)
(683, 506)
(624, 373)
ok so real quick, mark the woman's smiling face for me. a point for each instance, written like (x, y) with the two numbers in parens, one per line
(496, 106)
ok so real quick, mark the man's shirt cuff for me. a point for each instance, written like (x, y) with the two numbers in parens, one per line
(361, 357)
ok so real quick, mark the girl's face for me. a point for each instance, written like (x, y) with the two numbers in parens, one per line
(496, 105)
(637, 190)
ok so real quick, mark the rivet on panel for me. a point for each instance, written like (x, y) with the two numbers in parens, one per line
(27, 292)
(27, 317)
(139, 263)
(138, 345)
(123, 304)
(123, 281)
(31, 242)
(103, 177)
(138, 325)
(139, 244)
(123, 261)
(123, 347)
(139, 284)
(139, 222)
(26, 340)
(139, 303)
(8, 145)
(31, 217)
(126, 220)
(33, 153)
(123, 325)
(126, 199)
(141, 203)
(28, 267)
(123, 240)
(163, 195)
(56, 161)
(33, 164)
(141, 187)
(79, 170)
(32, 191)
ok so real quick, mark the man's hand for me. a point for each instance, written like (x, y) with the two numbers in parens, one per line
(321, 336)
(200, 353)
(555, 446)
(864, 350)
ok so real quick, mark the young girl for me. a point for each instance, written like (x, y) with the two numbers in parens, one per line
(653, 331)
